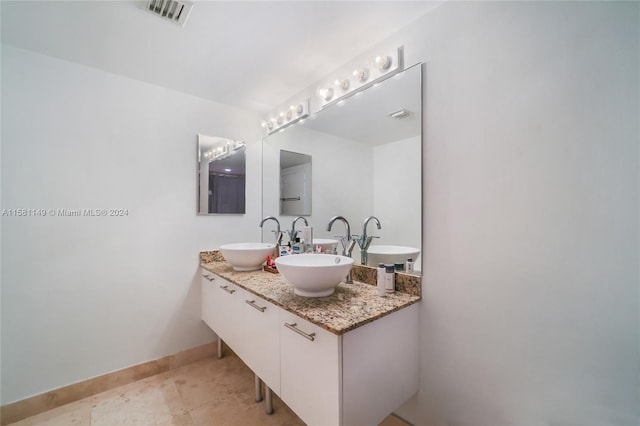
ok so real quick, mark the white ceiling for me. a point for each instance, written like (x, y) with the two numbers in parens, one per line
(252, 55)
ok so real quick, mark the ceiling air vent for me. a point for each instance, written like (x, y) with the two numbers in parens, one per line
(174, 11)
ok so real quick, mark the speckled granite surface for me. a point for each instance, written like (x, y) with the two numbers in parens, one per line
(351, 306)
(405, 283)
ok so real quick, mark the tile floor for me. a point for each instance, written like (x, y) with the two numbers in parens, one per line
(207, 392)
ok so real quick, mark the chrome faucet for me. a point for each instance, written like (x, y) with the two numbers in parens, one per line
(277, 231)
(364, 241)
(347, 242)
(293, 233)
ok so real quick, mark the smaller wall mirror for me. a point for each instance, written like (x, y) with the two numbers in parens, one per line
(221, 175)
(295, 183)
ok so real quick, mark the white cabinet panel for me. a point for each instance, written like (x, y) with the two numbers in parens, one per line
(310, 363)
(222, 309)
(261, 347)
(380, 367)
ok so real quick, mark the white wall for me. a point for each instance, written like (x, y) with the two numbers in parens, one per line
(82, 296)
(397, 183)
(530, 313)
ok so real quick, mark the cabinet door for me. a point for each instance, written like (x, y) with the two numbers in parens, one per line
(208, 299)
(261, 339)
(310, 370)
(222, 309)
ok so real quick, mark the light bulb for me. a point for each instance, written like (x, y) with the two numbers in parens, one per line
(342, 84)
(326, 94)
(263, 124)
(383, 62)
(362, 75)
(288, 115)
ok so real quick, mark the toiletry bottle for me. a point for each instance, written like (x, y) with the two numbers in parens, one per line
(409, 267)
(307, 239)
(297, 247)
(390, 285)
(399, 267)
(381, 280)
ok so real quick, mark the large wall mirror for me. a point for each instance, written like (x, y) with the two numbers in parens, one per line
(367, 160)
(221, 175)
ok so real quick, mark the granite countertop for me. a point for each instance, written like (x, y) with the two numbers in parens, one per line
(351, 306)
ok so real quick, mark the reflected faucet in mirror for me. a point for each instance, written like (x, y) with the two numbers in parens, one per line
(364, 241)
(293, 233)
(277, 231)
(347, 242)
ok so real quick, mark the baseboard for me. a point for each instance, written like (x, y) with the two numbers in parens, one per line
(19, 410)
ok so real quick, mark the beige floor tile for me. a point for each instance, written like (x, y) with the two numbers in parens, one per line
(209, 392)
(74, 414)
(214, 381)
(151, 401)
(233, 412)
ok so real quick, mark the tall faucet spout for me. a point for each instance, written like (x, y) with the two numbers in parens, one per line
(293, 233)
(277, 231)
(347, 242)
(364, 241)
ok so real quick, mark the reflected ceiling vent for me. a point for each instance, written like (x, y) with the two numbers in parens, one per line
(400, 114)
(174, 11)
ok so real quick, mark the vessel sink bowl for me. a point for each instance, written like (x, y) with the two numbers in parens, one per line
(327, 244)
(247, 256)
(390, 254)
(314, 275)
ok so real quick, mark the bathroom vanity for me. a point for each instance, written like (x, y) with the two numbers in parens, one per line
(347, 359)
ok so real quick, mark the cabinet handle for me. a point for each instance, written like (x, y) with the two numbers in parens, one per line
(295, 328)
(252, 303)
(227, 289)
(209, 277)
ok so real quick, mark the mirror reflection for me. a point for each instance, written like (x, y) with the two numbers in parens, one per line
(295, 183)
(221, 175)
(367, 161)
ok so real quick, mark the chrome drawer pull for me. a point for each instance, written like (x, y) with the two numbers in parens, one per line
(227, 289)
(252, 303)
(295, 328)
(209, 277)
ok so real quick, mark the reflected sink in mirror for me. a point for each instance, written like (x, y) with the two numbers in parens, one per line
(314, 275)
(247, 256)
(328, 245)
(390, 254)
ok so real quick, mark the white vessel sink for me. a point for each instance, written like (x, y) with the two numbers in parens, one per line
(247, 256)
(390, 254)
(314, 275)
(327, 244)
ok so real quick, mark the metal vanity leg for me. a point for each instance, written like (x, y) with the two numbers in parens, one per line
(219, 348)
(269, 400)
(258, 389)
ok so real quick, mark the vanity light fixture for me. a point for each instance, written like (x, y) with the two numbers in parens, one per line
(222, 150)
(289, 116)
(383, 66)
